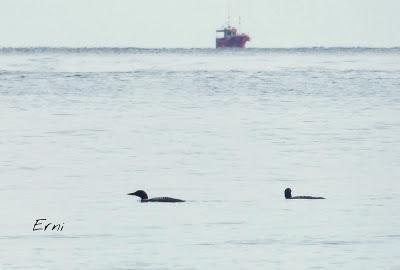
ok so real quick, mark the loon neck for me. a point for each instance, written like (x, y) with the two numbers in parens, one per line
(288, 193)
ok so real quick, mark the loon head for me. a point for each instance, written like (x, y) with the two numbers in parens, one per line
(288, 193)
(140, 193)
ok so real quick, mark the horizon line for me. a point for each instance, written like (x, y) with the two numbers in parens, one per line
(192, 48)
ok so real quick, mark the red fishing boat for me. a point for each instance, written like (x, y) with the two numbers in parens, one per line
(231, 38)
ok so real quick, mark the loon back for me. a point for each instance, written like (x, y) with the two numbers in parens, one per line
(144, 198)
(307, 197)
(288, 195)
(162, 199)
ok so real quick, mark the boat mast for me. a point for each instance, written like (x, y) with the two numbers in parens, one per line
(228, 4)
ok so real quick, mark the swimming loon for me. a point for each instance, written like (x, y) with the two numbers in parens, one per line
(288, 195)
(144, 198)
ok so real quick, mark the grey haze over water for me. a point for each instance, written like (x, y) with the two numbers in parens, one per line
(227, 130)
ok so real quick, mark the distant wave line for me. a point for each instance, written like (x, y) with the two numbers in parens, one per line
(133, 50)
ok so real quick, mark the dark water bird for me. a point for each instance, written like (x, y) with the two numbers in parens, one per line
(288, 195)
(144, 198)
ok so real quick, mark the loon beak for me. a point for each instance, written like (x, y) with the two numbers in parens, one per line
(130, 194)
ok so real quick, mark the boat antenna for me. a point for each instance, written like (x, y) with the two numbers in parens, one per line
(228, 3)
(240, 24)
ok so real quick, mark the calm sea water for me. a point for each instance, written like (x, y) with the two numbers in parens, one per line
(227, 130)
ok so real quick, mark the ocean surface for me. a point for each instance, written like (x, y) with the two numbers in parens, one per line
(226, 130)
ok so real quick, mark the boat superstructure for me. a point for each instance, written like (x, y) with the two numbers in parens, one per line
(231, 38)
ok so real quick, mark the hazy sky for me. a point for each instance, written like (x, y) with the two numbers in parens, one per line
(192, 23)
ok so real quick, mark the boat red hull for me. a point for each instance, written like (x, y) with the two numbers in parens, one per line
(232, 42)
